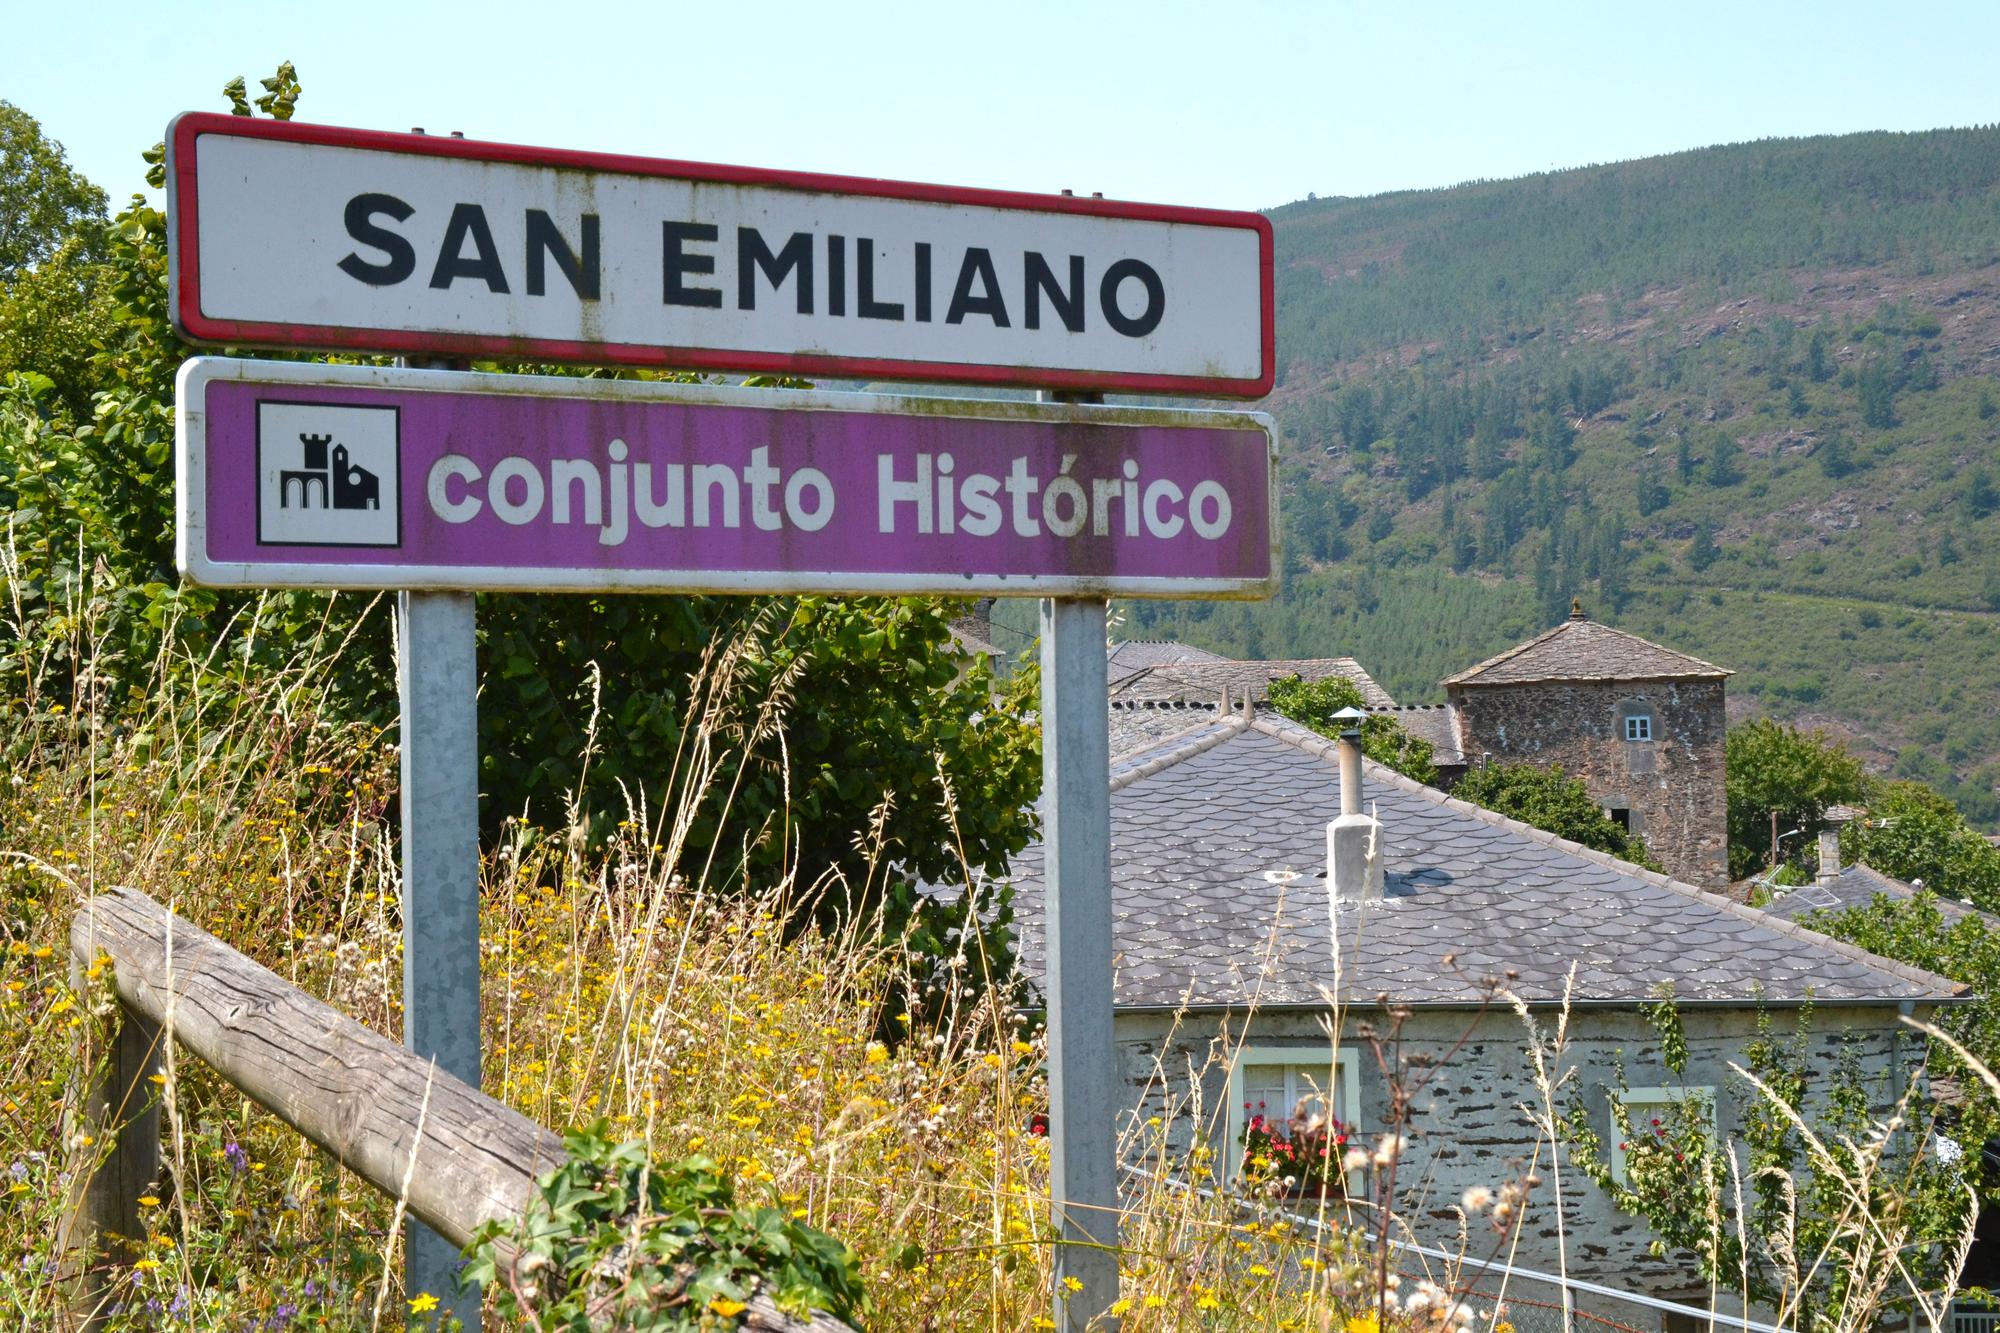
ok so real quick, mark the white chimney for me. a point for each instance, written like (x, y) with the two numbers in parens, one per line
(1354, 840)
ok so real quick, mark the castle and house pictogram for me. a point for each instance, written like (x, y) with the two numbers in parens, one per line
(343, 485)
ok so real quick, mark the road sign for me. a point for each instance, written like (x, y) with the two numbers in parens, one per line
(291, 235)
(370, 477)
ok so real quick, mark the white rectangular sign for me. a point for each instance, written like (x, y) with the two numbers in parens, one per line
(309, 236)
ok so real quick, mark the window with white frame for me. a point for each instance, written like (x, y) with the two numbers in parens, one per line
(1650, 1113)
(1281, 1083)
(1638, 726)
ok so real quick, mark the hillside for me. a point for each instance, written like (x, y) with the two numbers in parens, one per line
(1742, 399)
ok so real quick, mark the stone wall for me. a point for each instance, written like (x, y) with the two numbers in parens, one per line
(1671, 785)
(1468, 1127)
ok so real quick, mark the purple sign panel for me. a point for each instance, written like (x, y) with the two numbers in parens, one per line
(368, 477)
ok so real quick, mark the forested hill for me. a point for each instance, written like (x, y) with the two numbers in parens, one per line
(1741, 399)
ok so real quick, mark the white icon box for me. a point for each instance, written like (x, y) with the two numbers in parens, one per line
(328, 475)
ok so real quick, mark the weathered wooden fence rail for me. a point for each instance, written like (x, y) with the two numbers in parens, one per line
(380, 1111)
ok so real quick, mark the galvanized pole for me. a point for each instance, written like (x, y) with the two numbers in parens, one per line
(440, 758)
(437, 681)
(1083, 1075)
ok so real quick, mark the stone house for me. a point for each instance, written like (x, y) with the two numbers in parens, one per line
(1240, 978)
(1642, 726)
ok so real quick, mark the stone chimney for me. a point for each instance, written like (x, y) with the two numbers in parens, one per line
(1354, 840)
(1829, 839)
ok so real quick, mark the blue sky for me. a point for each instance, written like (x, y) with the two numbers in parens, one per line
(1227, 104)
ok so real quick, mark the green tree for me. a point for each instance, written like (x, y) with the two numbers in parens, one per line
(1702, 551)
(43, 201)
(1776, 769)
(1652, 492)
(1835, 458)
(1875, 384)
(1312, 703)
(1914, 833)
(1981, 497)
(54, 317)
(1554, 802)
(1725, 461)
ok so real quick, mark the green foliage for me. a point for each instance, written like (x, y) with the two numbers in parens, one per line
(1702, 551)
(613, 1239)
(1554, 802)
(1453, 332)
(43, 201)
(1776, 768)
(1518, 254)
(1914, 834)
(1803, 1205)
(1313, 704)
(1725, 465)
(54, 319)
(1915, 931)
(55, 306)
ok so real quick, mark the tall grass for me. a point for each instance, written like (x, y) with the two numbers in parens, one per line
(617, 986)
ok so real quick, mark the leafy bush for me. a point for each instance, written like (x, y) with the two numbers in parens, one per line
(1554, 802)
(1313, 704)
(615, 1239)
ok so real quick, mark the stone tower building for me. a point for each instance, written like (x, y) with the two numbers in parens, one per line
(1641, 725)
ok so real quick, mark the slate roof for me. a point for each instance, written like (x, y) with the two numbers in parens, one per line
(1436, 723)
(1139, 723)
(1857, 886)
(1218, 854)
(1207, 680)
(1135, 655)
(1582, 649)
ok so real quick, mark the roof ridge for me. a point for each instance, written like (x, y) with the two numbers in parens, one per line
(1150, 758)
(1315, 744)
(1506, 656)
(1469, 676)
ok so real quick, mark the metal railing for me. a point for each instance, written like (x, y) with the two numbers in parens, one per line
(1554, 1308)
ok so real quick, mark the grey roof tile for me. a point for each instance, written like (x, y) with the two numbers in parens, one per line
(1857, 886)
(1582, 649)
(1204, 681)
(1218, 853)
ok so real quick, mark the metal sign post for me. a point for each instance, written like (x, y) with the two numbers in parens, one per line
(438, 684)
(1083, 1072)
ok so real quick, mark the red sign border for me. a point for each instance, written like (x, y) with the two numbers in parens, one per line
(184, 267)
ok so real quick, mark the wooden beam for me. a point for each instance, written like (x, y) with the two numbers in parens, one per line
(104, 1232)
(362, 1097)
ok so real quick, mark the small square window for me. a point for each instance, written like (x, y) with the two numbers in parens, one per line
(1278, 1083)
(1639, 727)
(1652, 1113)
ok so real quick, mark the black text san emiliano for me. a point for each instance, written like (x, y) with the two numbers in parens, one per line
(823, 274)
